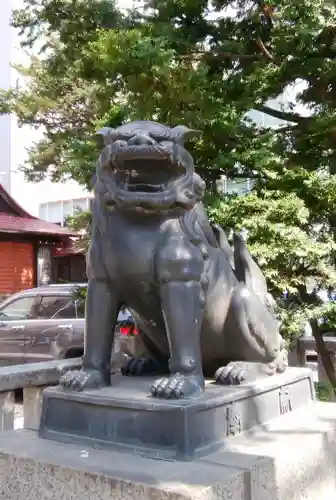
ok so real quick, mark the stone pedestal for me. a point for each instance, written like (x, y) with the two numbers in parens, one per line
(7, 401)
(291, 458)
(265, 441)
(125, 417)
(32, 403)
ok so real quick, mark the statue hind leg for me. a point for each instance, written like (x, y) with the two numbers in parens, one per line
(239, 372)
(257, 348)
(152, 362)
(253, 323)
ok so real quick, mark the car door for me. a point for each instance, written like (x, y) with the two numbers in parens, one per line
(56, 317)
(16, 317)
(77, 346)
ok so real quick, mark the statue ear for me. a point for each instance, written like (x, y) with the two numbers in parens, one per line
(246, 269)
(180, 134)
(108, 134)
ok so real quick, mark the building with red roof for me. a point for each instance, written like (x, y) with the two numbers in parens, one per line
(27, 245)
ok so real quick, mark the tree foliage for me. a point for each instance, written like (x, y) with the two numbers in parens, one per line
(194, 62)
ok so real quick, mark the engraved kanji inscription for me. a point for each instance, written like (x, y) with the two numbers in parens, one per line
(285, 400)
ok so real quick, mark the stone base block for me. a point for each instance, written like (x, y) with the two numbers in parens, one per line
(125, 417)
(291, 458)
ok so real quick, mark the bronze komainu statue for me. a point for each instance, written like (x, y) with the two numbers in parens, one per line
(201, 308)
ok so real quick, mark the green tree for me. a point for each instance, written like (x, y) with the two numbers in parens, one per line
(194, 62)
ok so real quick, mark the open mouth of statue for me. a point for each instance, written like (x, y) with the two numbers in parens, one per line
(146, 188)
(147, 175)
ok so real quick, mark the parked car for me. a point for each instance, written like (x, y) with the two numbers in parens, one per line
(46, 323)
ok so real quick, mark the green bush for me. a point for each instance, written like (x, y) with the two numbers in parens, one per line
(324, 391)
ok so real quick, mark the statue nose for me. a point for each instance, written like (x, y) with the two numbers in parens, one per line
(140, 139)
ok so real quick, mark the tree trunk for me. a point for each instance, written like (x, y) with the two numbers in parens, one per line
(324, 354)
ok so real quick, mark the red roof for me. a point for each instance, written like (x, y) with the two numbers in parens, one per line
(20, 221)
(16, 224)
(67, 250)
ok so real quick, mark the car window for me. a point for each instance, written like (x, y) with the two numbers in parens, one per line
(80, 308)
(22, 308)
(57, 307)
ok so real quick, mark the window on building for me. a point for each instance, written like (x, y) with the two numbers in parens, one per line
(55, 212)
(43, 211)
(239, 186)
(68, 209)
(81, 204)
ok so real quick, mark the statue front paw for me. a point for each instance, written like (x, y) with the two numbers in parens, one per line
(281, 362)
(79, 380)
(177, 386)
(234, 373)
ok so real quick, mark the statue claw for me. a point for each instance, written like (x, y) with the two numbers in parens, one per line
(232, 374)
(177, 386)
(79, 380)
(281, 362)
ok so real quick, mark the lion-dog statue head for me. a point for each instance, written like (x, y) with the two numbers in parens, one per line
(144, 166)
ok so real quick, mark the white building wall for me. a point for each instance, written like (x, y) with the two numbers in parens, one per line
(5, 83)
(58, 210)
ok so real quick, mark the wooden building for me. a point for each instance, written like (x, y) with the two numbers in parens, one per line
(26, 247)
(68, 264)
